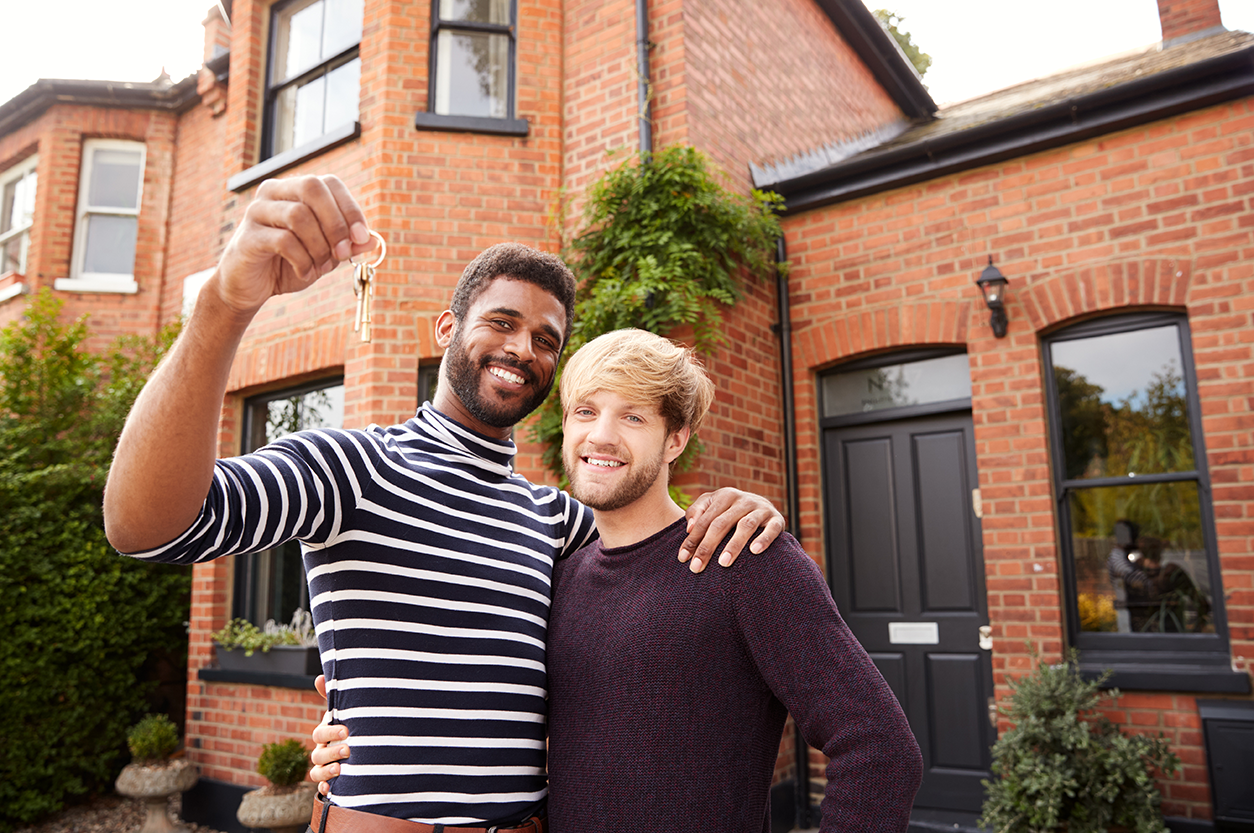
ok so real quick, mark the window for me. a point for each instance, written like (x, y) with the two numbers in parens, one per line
(473, 51)
(110, 190)
(17, 190)
(472, 68)
(314, 72)
(1137, 536)
(271, 584)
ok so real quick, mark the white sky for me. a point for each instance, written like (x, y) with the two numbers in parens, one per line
(976, 45)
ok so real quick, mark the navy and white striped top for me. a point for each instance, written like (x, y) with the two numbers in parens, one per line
(429, 565)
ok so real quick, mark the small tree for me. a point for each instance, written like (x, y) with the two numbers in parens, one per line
(80, 621)
(1063, 767)
(664, 245)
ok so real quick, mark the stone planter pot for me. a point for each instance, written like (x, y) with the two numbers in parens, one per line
(281, 809)
(154, 784)
(281, 659)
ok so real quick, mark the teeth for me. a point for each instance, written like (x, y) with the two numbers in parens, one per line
(506, 375)
(605, 464)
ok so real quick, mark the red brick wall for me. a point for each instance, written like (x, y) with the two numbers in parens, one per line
(763, 82)
(1156, 217)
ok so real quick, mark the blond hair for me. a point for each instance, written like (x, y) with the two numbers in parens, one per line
(643, 368)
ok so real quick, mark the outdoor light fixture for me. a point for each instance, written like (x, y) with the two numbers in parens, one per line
(993, 284)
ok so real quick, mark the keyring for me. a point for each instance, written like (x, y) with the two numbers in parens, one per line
(383, 251)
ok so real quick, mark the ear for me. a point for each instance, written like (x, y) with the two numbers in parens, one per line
(675, 444)
(444, 327)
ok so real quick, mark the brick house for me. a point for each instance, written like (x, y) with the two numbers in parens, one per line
(1116, 199)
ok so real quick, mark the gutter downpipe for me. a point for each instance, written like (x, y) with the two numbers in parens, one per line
(793, 502)
(642, 77)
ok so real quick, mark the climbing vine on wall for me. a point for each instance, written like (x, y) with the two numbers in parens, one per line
(663, 245)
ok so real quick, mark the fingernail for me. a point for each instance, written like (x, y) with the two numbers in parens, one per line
(343, 250)
(725, 559)
(684, 554)
(695, 566)
(342, 733)
(359, 232)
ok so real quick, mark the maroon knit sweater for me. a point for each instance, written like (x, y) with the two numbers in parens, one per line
(668, 693)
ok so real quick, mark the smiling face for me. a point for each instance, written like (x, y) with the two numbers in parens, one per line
(616, 452)
(502, 357)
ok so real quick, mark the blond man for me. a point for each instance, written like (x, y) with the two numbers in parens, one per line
(641, 653)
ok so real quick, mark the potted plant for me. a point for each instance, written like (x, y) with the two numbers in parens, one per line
(273, 648)
(286, 805)
(155, 774)
(1062, 767)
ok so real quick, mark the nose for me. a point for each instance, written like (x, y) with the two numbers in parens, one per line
(519, 345)
(602, 430)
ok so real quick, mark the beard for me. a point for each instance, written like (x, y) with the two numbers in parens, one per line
(465, 376)
(609, 498)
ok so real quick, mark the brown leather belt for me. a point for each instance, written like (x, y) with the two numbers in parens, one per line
(344, 820)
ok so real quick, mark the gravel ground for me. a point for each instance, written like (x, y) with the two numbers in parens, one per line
(106, 814)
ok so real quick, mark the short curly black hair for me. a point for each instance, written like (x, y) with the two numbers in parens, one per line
(520, 263)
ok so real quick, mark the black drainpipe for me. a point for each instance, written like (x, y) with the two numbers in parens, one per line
(793, 513)
(642, 76)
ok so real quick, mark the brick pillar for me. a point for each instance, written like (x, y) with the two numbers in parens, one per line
(1180, 18)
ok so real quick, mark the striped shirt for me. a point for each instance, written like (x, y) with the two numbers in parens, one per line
(429, 564)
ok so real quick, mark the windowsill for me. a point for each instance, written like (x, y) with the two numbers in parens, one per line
(471, 124)
(11, 291)
(290, 158)
(1145, 674)
(118, 285)
(300, 682)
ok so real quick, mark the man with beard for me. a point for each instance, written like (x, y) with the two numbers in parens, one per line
(633, 642)
(428, 559)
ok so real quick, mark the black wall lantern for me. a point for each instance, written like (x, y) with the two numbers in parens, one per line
(993, 284)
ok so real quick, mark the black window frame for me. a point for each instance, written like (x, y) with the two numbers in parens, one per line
(329, 138)
(1179, 662)
(244, 604)
(429, 119)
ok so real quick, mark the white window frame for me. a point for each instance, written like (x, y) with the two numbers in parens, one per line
(21, 170)
(80, 281)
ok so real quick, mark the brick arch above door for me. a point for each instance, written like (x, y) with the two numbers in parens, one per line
(905, 325)
(1067, 295)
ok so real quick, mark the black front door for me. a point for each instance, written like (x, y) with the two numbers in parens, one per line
(906, 566)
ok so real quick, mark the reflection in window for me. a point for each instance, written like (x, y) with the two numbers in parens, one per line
(315, 71)
(473, 42)
(897, 386)
(1126, 458)
(271, 584)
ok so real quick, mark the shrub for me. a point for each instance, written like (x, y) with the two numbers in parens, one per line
(664, 245)
(80, 621)
(1061, 764)
(284, 763)
(155, 737)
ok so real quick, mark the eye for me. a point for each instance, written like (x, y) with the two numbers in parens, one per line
(635, 419)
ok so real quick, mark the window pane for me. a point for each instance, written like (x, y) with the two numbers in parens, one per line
(475, 11)
(322, 408)
(298, 41)
(897, 386)
(1140, 559)
(11, 254)
(1123, 403)
(472, 74)
(110, 244)
(343, 88)
(8, 208)
(342, 28)
(18, 206)
(115, 179)
(298, 114)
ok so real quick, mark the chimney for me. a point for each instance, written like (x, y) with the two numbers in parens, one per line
(1186, 20)
(218, 33)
